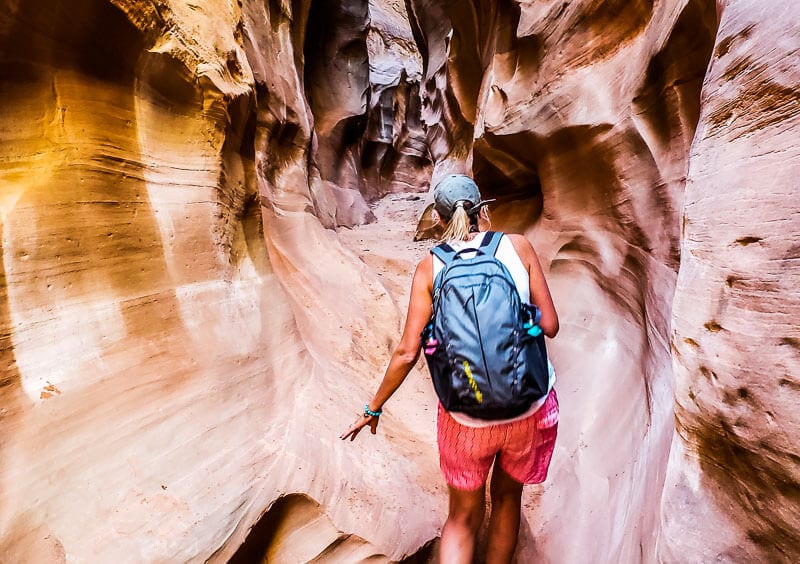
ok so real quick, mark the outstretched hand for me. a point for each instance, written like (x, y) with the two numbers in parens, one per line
(360, 423)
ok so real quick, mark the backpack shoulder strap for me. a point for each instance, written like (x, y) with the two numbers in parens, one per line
(490, 243)
(444, 252)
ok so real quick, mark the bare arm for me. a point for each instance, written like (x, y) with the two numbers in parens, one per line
(405, 355)
(540, 293)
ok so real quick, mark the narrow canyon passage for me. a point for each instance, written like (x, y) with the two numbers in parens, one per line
(211, 212)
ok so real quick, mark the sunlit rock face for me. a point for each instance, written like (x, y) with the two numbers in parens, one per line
(733, 487)
(578, 118)
(178, 330)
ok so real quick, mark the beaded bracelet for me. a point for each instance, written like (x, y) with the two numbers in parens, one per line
(369, 413)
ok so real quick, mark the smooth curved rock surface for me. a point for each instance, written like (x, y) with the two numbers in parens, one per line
(394, 150)
(179, 329)
(733, 486)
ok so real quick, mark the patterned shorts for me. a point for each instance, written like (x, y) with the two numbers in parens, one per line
(523, 448)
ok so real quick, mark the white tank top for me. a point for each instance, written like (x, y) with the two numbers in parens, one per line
(509, 257)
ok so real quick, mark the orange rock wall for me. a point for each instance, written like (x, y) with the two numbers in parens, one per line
(178, 329)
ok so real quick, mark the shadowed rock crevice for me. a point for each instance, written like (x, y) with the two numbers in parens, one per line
(394, 153)
(669, 99)
(504, 167)
(60, 35)
(336, 82)
(241, 233)
(296, 529)
(666, 109)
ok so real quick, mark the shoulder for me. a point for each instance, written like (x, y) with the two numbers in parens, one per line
(423, 275)
(516, 238)
(522, 246)
(519, 241)
(424, 270)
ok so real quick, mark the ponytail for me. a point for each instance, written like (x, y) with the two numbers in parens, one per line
(458, 228)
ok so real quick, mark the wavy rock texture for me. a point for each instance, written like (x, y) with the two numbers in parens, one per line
(179, 330)
(578, 118)
(394, 151)
(361, 75)
(733, 485)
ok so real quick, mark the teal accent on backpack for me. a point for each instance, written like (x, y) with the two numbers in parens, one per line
(484, 353)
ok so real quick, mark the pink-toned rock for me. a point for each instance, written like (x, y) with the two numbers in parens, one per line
(182, 340)
(732, 492)
(394, 150)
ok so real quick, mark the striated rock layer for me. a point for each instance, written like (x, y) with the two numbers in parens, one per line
(733, 485)
(181, 338)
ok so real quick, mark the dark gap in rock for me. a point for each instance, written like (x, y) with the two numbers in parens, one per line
(296, 526)
(675, 75)
(335, 54)
(336, 82)
(352, 131)
(503, 167)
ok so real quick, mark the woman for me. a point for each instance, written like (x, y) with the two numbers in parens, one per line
(519, 448)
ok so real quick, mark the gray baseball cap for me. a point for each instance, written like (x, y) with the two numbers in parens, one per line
(455, 188)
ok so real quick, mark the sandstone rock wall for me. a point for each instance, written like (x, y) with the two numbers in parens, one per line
(183, 332)
(175, 318)
(733, 486)
(394, 150)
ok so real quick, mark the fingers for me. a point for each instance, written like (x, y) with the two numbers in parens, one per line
(354, 429)
(360, 423)
(351, 432)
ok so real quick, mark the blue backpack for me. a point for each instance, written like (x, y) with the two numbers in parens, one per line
(483, 346)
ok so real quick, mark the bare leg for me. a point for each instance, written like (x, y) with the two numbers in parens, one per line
(504, 521)
(461, 528)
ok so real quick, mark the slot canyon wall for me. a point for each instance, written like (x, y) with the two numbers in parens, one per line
(580, 118)
(733, 483)
(179, 327)
(199, 285)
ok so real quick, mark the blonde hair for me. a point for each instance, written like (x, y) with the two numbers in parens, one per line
(460, 225)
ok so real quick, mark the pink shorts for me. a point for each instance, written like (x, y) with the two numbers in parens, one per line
(523, 448)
